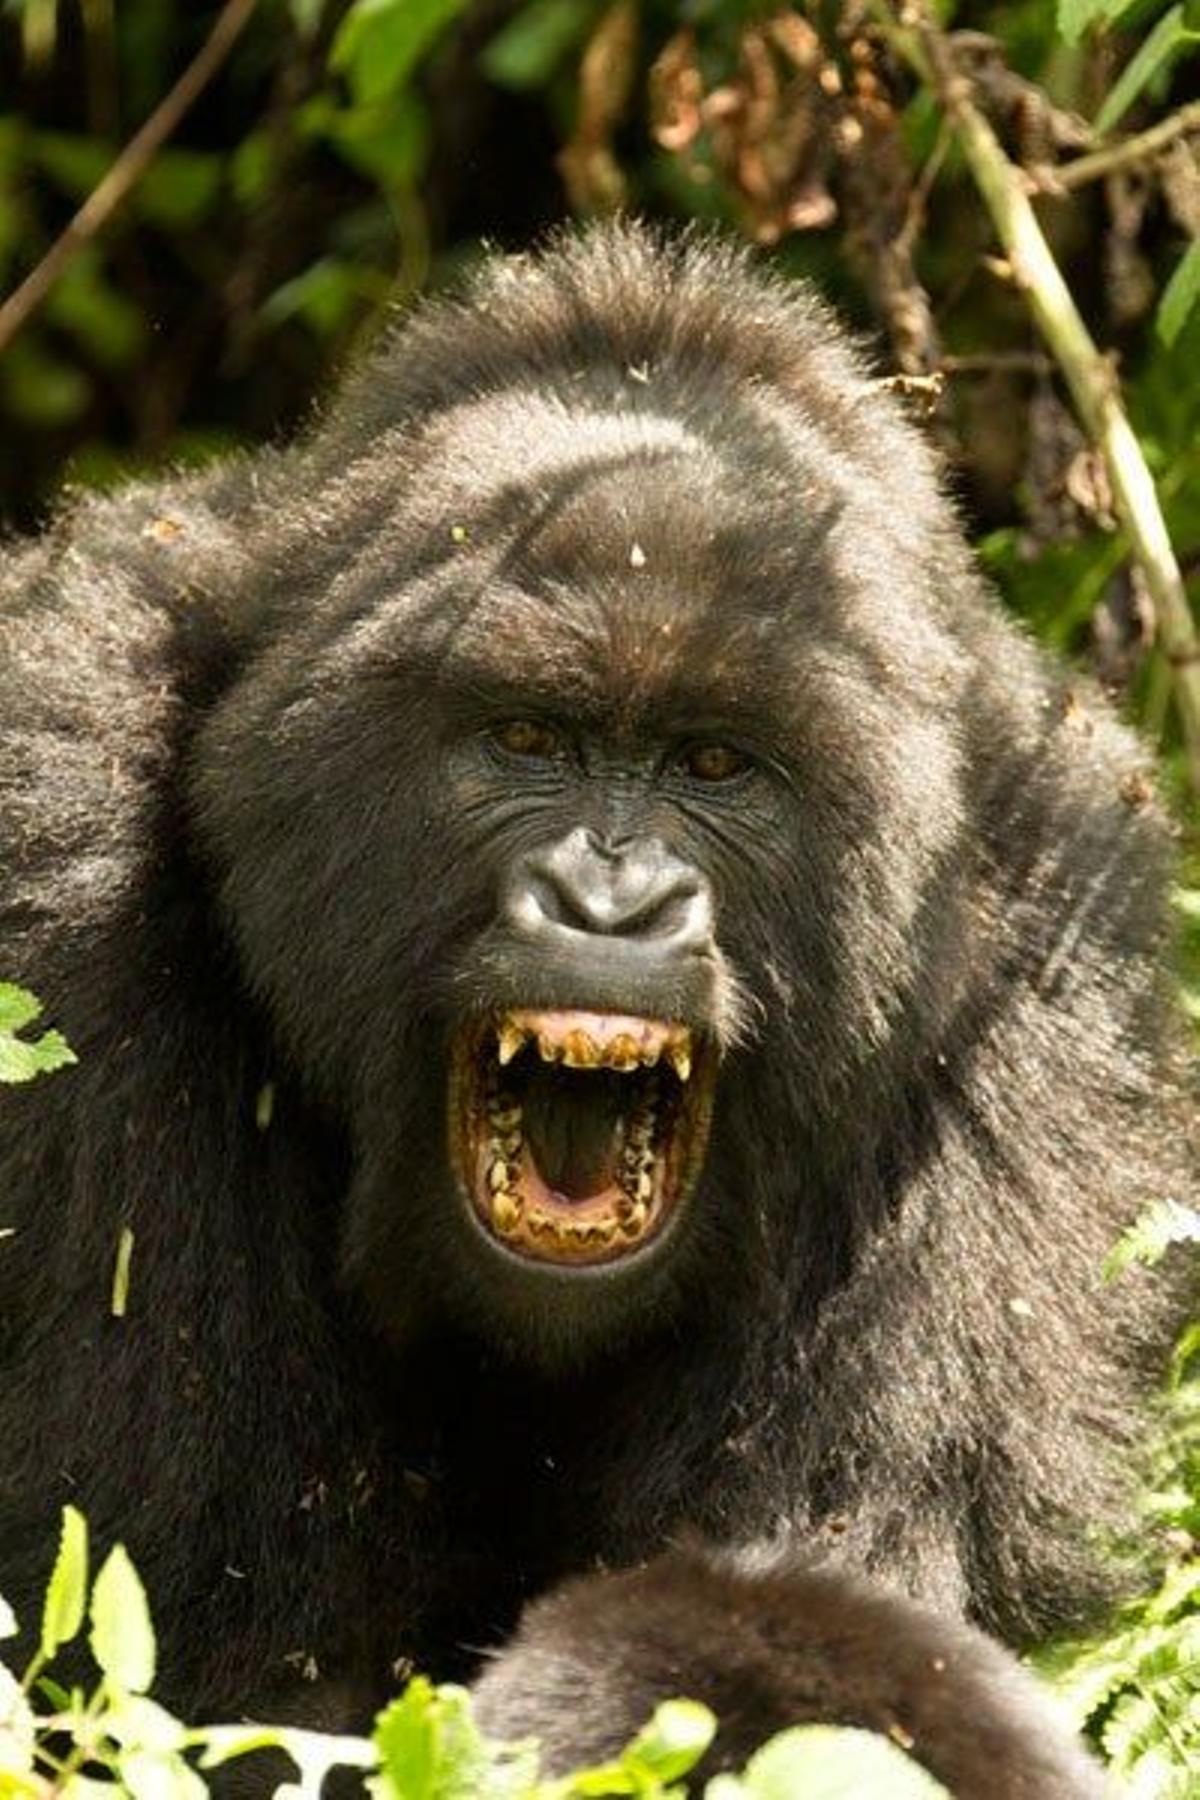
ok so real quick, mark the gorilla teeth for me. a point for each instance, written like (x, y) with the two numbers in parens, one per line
(614, 1042)
(506, 1210)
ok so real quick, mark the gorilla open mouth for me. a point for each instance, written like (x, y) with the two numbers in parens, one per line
(577, 1134)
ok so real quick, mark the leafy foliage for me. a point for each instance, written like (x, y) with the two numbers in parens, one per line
(1135, 1690)
(23, 1058)
(116, 1744)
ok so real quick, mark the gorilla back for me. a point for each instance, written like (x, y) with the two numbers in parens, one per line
(708, 970)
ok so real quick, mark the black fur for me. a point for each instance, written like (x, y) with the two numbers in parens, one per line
(247, 834)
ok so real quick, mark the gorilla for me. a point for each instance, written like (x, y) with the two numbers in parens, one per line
(622, 1004)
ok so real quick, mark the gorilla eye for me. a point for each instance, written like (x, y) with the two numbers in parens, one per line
(714, 762)
(528, 737)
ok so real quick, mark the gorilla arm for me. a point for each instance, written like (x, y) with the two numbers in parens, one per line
(793, 1645)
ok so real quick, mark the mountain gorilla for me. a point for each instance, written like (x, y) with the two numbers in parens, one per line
(621, 1003)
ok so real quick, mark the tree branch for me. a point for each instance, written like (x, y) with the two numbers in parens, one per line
(1088, 374)
(1125, 154)
(126, 171)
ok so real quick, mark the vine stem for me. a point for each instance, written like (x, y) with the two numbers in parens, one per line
(1126, 153)
(126, 171)
(1089, 374)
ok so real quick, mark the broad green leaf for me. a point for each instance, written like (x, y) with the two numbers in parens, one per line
(137, 1723)
(832, 1762)
(430, 1748)
(147, 1775)
(66, 1594)
(379, 42)
(16, 1727)
(1170, 36)
(674, 1740)
(386, 141)
(179, 188)
(18, 1007)
(526, 52)
(405, 1736)
(1179, 296)
(94, 311)
(306, 15)
(1076, 16)
(122, 1637)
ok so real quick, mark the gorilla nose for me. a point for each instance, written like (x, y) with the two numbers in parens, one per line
(635, 892)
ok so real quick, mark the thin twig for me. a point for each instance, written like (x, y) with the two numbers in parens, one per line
(126, 171)
(1125, 154)
(1088, 374)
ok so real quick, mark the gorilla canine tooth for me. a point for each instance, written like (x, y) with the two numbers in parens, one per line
(506, 1210)
(509, 1039)
(681, 1060)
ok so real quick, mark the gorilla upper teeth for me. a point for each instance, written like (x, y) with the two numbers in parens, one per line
(578, 1049)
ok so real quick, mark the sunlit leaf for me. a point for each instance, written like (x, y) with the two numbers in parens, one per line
(1179, 296)
(122, 1637)
(66, 1594)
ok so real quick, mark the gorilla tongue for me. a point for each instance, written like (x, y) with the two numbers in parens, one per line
(574, 1127)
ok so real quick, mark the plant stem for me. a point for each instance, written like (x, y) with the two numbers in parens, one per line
(1125, 154)
(126, 171)
(1088, 374)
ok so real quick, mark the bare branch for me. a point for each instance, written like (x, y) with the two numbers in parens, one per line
(1125, 154)
(126, 171)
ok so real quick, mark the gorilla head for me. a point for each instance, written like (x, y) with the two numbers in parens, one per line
(594, 828)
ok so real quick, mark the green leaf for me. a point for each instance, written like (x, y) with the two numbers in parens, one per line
(1077, 16)
(306, 15)
(388, 141)
(1169, 37)
(66, 1594)
(430, 1748)
(832, 1762)
(526, 52)
(17, 1730)
(1179, 296)
(406, 1737)
(122, 1637)
(180, 188)
(21, 1059)
(674, 1740)
(95, 313)
(380, 42)
(1151, 1235)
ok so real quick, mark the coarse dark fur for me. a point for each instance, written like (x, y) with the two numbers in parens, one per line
(251, 832)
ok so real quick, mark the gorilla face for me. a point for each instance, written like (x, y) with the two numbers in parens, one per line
(547, 834)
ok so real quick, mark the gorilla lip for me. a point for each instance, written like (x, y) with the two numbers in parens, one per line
(576, 1134)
